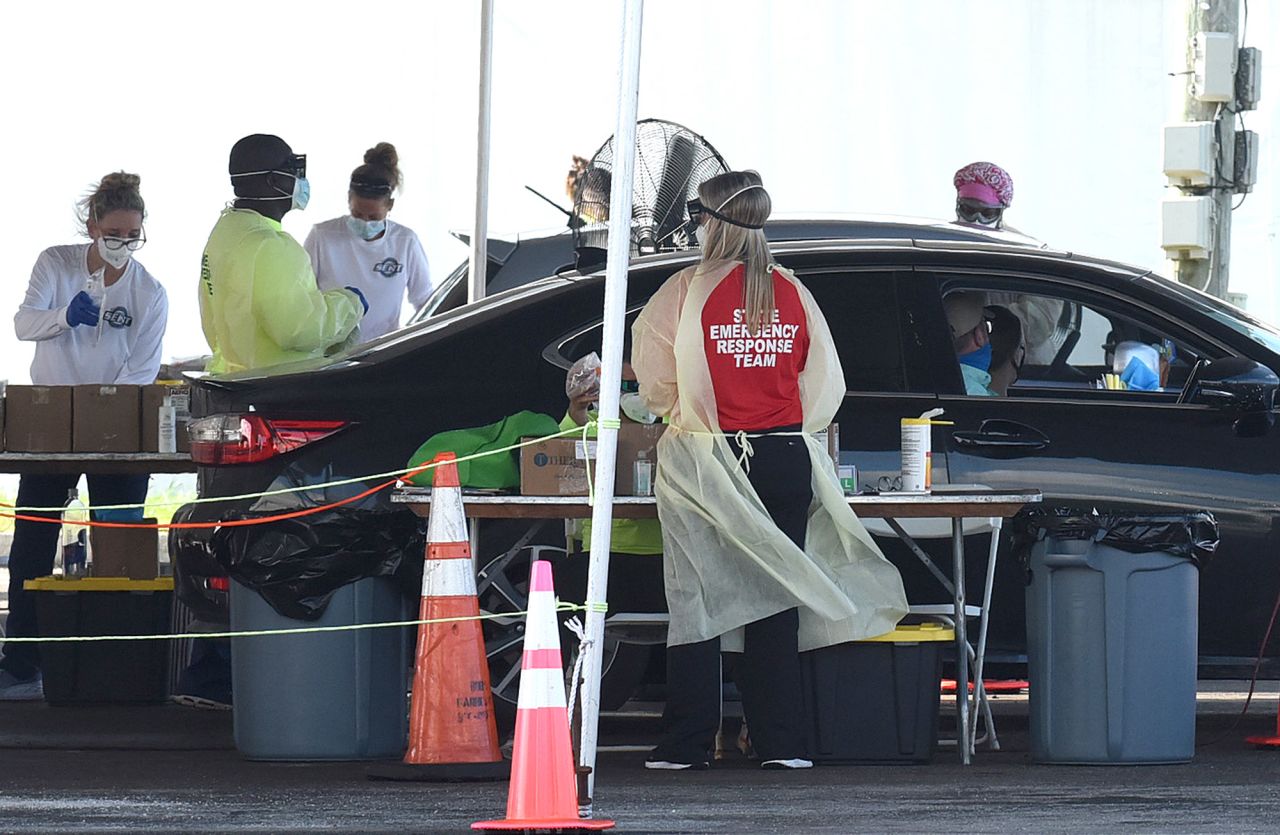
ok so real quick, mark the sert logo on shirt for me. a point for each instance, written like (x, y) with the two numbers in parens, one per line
(118, 317)
(388, 267)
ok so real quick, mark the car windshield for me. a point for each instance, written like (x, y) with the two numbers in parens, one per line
(1225, 313)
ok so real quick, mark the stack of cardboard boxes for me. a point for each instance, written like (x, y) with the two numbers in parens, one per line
(96, 419)
(90, 418)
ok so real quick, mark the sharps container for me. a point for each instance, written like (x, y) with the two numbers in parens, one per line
(1112, 623)
(326, 695)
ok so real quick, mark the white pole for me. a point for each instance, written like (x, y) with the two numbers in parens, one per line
(615, 310)
(480, 228)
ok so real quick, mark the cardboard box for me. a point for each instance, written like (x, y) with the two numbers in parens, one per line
(105, 419)
(37, 419)
(152, 398)
(125, 552)
(558, 466)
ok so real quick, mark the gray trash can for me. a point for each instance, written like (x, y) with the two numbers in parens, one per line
(328, 695)
(1112, 623)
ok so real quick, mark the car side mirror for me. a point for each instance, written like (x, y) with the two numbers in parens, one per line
(1235, 384)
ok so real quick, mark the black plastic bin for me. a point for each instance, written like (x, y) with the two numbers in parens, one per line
(876, 700)
(103, 671)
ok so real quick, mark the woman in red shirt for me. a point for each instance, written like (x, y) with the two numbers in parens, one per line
(761, 551)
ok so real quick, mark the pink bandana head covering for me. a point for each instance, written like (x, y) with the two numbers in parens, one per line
(985, 182)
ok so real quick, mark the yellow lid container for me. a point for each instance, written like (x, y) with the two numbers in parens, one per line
(67, 584)
(915, 633)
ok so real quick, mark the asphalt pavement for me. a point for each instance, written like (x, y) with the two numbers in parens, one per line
(166, 768)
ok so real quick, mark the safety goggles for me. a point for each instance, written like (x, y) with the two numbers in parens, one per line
(630, 386)
(696, 210)
(295, 165)
(974, 213)
(131, 244)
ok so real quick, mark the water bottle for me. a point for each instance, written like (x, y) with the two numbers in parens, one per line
(168, 423)
(75, 536)
(643, 482)
(96, 289)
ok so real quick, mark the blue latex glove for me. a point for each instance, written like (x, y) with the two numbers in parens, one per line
(82, 310)
(1138, 375)
(363, 300)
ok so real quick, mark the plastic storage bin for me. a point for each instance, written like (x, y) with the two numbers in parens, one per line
(103, 671)
(876, 700)
(327, 695)
(1111, 654)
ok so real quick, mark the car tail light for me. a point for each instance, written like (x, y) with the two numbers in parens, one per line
(250, 438)
(218, 583)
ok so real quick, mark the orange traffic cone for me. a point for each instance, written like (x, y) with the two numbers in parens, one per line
(452, 731)
(543, 792)
(1266, 741)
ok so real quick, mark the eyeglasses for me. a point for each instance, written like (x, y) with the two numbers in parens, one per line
(885, 484)
(295, 164)
(132, 244)
(971, 213)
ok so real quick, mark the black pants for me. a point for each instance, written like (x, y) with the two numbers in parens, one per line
(768, 674)
(36, 543)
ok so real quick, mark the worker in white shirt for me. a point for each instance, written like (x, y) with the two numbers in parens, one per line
(96, 316)
(368, 250)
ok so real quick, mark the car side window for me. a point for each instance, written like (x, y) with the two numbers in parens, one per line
(865, 315)
(1085, 343)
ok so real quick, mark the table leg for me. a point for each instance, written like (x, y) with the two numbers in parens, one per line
(980, 696)
(962, 642)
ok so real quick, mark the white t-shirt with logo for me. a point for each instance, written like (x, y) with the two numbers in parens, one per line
(384, 270)
(126, 349)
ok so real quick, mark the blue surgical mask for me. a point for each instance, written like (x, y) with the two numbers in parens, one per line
(366, 229)
(979, 359)
(301, 192)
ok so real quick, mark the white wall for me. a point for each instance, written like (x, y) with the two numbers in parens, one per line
(842, 106)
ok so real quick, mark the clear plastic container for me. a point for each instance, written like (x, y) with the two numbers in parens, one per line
(74, 554)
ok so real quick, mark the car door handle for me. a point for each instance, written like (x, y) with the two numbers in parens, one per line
(997, 437)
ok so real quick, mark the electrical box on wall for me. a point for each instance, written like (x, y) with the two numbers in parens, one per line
(1248, 78)
(1214, 66)
(1188, 153)
(1246, 161)
(1187, 228)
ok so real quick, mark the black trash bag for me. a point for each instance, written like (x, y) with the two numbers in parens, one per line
(1193, 536)
(298, 564)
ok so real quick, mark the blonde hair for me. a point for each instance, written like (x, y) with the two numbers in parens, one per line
(117, 190)
(740, 196)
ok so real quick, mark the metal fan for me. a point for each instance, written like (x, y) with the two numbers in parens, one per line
(671, 162)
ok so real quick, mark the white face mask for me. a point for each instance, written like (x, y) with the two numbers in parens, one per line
(366, 229)
(116, 258)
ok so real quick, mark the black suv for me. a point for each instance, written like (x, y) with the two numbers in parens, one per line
(1203, 442)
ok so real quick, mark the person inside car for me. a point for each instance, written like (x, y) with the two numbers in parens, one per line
(761, 550)
(259, 303)
(96, 316)
(1008, 351)
(971, 339)
(366, 250)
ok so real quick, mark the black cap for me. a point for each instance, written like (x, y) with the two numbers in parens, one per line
(260, 152)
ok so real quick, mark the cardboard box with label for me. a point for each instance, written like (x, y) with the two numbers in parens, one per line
(125, 552)
(152, 398)
(558, 466)
(105, 419)
(37, 419)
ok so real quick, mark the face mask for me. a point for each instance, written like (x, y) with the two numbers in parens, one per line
(979, 359)
(117, 258)
(366, 229)
(633, 407)
(301, 193)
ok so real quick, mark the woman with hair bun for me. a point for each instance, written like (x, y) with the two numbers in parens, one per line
(761, 553)
(367, 250)
(97, 317)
